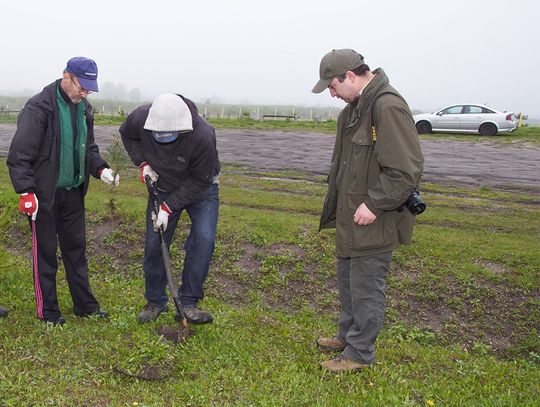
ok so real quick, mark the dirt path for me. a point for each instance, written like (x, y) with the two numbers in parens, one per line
(449, 162)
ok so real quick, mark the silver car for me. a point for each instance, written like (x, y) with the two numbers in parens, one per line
(466, 118)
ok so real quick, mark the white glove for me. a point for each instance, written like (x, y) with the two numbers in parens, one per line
(162, 217)
(144, 170)
(108, 177)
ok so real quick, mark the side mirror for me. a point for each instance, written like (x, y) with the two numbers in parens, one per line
(439, 113)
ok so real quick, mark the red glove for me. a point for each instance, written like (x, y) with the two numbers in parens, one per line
(28, 204)
(144, 170)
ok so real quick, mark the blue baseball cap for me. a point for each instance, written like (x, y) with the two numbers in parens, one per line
(164, 137)
(85, 70)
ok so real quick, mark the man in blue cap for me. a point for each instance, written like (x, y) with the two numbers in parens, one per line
(50, 161)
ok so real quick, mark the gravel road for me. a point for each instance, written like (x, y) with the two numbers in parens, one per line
(450, 162)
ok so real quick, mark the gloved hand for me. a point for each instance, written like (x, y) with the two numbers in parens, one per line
(144, 170)
(162, 217)
(28, 204)
(108, 177)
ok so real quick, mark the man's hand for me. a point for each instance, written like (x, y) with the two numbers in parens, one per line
(363, 216)
(162, 217)
(107, 176)
(28, 204)
(144, 170)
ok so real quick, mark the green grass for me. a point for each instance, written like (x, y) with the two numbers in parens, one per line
(461, 326)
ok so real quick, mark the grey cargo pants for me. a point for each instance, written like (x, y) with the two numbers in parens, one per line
(362, 293)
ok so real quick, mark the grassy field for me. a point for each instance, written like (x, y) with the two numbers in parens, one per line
(462, 324)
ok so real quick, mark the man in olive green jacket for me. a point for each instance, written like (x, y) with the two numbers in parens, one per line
(376, 165)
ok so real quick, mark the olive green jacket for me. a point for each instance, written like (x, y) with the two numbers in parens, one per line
(377, 160)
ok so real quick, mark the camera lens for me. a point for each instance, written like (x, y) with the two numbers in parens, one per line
(414, 203)
(417, 208)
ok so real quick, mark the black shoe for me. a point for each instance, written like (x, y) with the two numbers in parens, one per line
(58, 321)
(150, 312)
(195, 316)
(99, 313)
(3, 312)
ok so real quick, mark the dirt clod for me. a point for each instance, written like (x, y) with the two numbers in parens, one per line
(173, 334)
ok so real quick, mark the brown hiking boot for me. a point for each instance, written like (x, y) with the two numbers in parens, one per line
(342, 364)
(333, 344)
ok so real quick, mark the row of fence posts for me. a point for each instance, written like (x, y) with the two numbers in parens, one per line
(256, 115)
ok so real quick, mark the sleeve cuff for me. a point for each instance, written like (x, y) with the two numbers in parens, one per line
(370, 206)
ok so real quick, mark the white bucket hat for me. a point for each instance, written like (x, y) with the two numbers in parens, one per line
(168, 116)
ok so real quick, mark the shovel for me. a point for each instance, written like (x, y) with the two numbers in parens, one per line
(184, 330)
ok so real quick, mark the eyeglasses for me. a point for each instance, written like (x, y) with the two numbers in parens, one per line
(79, 87)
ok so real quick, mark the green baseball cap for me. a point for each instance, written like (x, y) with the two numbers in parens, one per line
(336, 63)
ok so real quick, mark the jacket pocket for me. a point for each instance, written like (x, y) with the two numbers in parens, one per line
(381, 233)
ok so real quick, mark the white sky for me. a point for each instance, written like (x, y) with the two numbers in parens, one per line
(435, 53)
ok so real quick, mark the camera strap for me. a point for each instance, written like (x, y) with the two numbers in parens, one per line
(372, 118)
(419, 207)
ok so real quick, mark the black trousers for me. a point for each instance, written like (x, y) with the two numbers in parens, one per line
(64, 224)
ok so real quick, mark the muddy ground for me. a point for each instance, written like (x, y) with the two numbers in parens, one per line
(449, 162)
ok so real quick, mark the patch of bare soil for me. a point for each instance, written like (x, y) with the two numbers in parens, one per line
(111, 243)
(307, 288)
(115, 243)
(493, 313)
(147, 372)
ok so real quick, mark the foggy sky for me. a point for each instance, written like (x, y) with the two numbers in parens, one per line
(435, 53)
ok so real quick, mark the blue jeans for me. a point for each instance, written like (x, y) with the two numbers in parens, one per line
(199, 248)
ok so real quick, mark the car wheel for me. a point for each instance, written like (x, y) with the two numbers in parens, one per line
(488, 129)
(423, 127)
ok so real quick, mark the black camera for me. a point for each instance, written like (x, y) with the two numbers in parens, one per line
(414, 203)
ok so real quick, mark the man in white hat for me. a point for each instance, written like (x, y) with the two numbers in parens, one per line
(176, 148)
